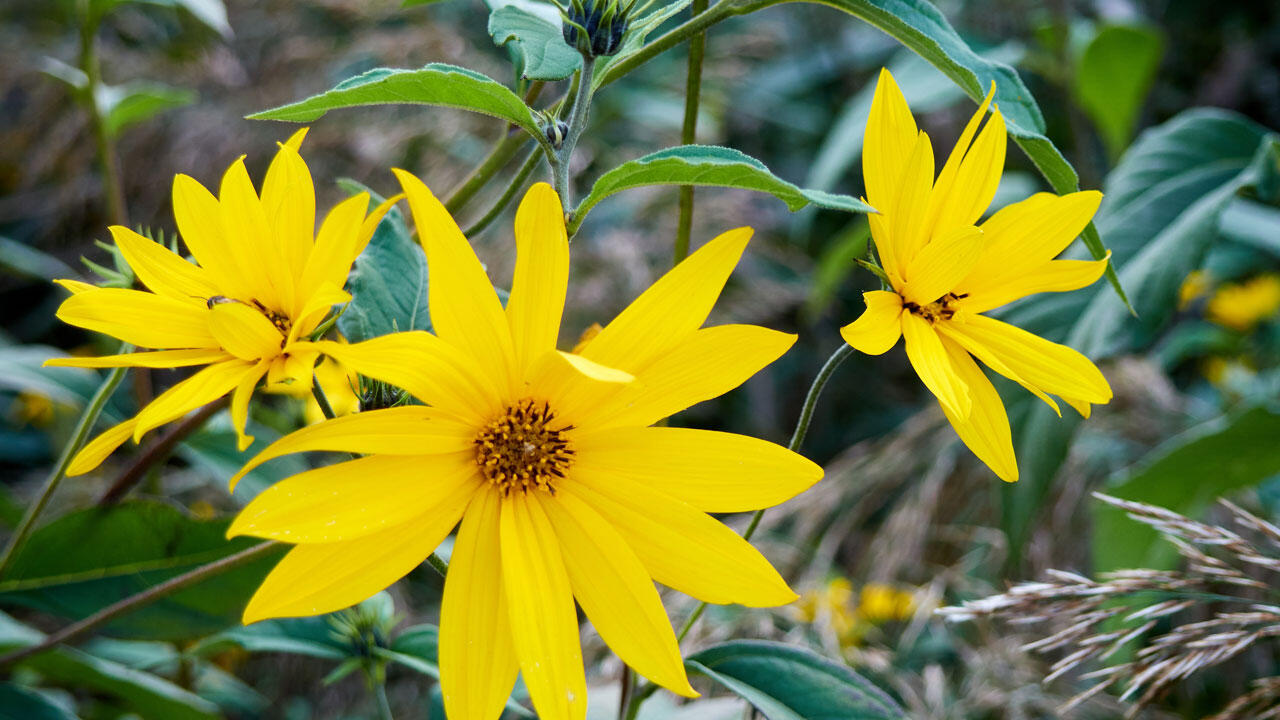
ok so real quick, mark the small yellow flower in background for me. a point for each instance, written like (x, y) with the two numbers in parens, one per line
(1197, 284)
(832, 605)
(945, 272)
(1242, 306)
(32, 408)
(563, 489)
(1226, 373)
(263, 280)
(879, 604)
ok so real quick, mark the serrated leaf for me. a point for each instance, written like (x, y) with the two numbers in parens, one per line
(537, 47)
(1113, 76)
(785, 682)
(88, 559)
(434, 84)
(708, 165)
(388, 284)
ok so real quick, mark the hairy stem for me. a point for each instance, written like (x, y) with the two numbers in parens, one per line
(577, 123)
(689, 132)
(157, 451)
(142, 599)
(78, 437)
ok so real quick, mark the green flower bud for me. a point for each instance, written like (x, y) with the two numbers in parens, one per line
(596, 27)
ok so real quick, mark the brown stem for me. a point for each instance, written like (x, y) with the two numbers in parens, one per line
(157, 451)
(140, 600)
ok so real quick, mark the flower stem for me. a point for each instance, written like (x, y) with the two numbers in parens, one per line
(522, 175)
(797, 439)
(78, 437)
(689, 132)
(694, 25)
(577, 123)
(142, 599)
(91, 68)
(378, 685)
(497, 159)
(157, 451)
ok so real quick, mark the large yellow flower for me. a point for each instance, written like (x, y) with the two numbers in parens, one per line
(262, 282)
(547, 458)
(946, 271)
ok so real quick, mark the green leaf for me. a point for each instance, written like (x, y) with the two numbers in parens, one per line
(1185, 475)
(417, 648)
(21, 703)
(923, 29)
(211, 13)
(1112, 79)
(214, 450)
(135, 102)
(388, 285)
(434, 84)
(147, 695)
(1161, 214)
(23, 259)
(312, 637)
(22, 370)
(785, 682)
(708, 165)
(537, 46)
(86, 560)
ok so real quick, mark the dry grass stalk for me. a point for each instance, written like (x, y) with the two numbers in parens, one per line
(1226, 581)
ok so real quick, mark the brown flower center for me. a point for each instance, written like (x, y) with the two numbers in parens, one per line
(524, 448)
(940, 309)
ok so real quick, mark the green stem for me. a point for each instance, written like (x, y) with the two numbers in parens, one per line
(141, 599)
(379, 687)
(627, 685)
(577, 123)
(797, 439)
(484, 172)
(689, 132)
(438, 564)
(106, 146)
(522, 176)
(698, 23)
(78, 437)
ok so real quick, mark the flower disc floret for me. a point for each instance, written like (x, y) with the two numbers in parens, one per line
(525, 448)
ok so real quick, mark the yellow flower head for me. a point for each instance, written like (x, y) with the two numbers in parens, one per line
(547, 458)
(946, 271)
(878, 604)
(1242, 306)
(1196, 285)
(262, 281)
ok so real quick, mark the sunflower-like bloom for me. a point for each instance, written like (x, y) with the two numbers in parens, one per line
(262, 281)
(946, 271)
(548, 459)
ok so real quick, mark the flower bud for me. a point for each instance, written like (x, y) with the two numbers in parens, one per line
(596, 27)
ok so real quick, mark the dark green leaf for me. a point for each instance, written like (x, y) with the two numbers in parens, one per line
(388, 285)
(20, 703)
(22, 370)
(417, 649)
(785, 682)
(214, 450)
(1185, 475)
(88, 559)
(31, 262)
(1113, 77)
(434, 84)
(708, 165)
(537, 46)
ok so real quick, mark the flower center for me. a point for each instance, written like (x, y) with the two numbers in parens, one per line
(940, 309)
(282, 322)
(523, 449)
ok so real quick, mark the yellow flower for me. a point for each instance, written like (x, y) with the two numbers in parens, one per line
(338, 384)
(548, 459)
(831, 604)
(32, 408)
(1241, 306)
(263, 280)
(945, 272)
(879, 604)
(1196, 285)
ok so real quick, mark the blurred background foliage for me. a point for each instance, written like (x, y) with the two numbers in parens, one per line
(1168, 107)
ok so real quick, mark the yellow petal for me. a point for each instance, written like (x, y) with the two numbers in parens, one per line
(942, 264)
(575, 386)
(199, 219)
(97, 450)
(240, 404)
(961, 198)
(317, 306)
(1024, 236)
(706, 364)
(674, 306)
(908, 221)
(289, 200)
(200, 389)
(315, 579)
(478, 663)
(408, 430)
(1053, 368)
(541, 277)
(155, 359)
(244, 332)
(946, 178)
(880, 325)
(140, 318)
(544, 623)
(292, 371)
(427, 367)
(1053, 276)
(75, 287)
(160, 270)
(888, 142)
(356, 498)
(465, 310)
(953, 331)
(711, 471)
(986, 428)
(929, 359)
(256, 252)
(680, 546)
(616, 593)
(336, 247)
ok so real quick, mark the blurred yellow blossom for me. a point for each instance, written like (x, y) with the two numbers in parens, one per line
(1197, 285)
(1241, 306)
(32, 408)
(878, 603)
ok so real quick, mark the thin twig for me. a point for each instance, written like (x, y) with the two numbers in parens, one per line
(157, 451)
